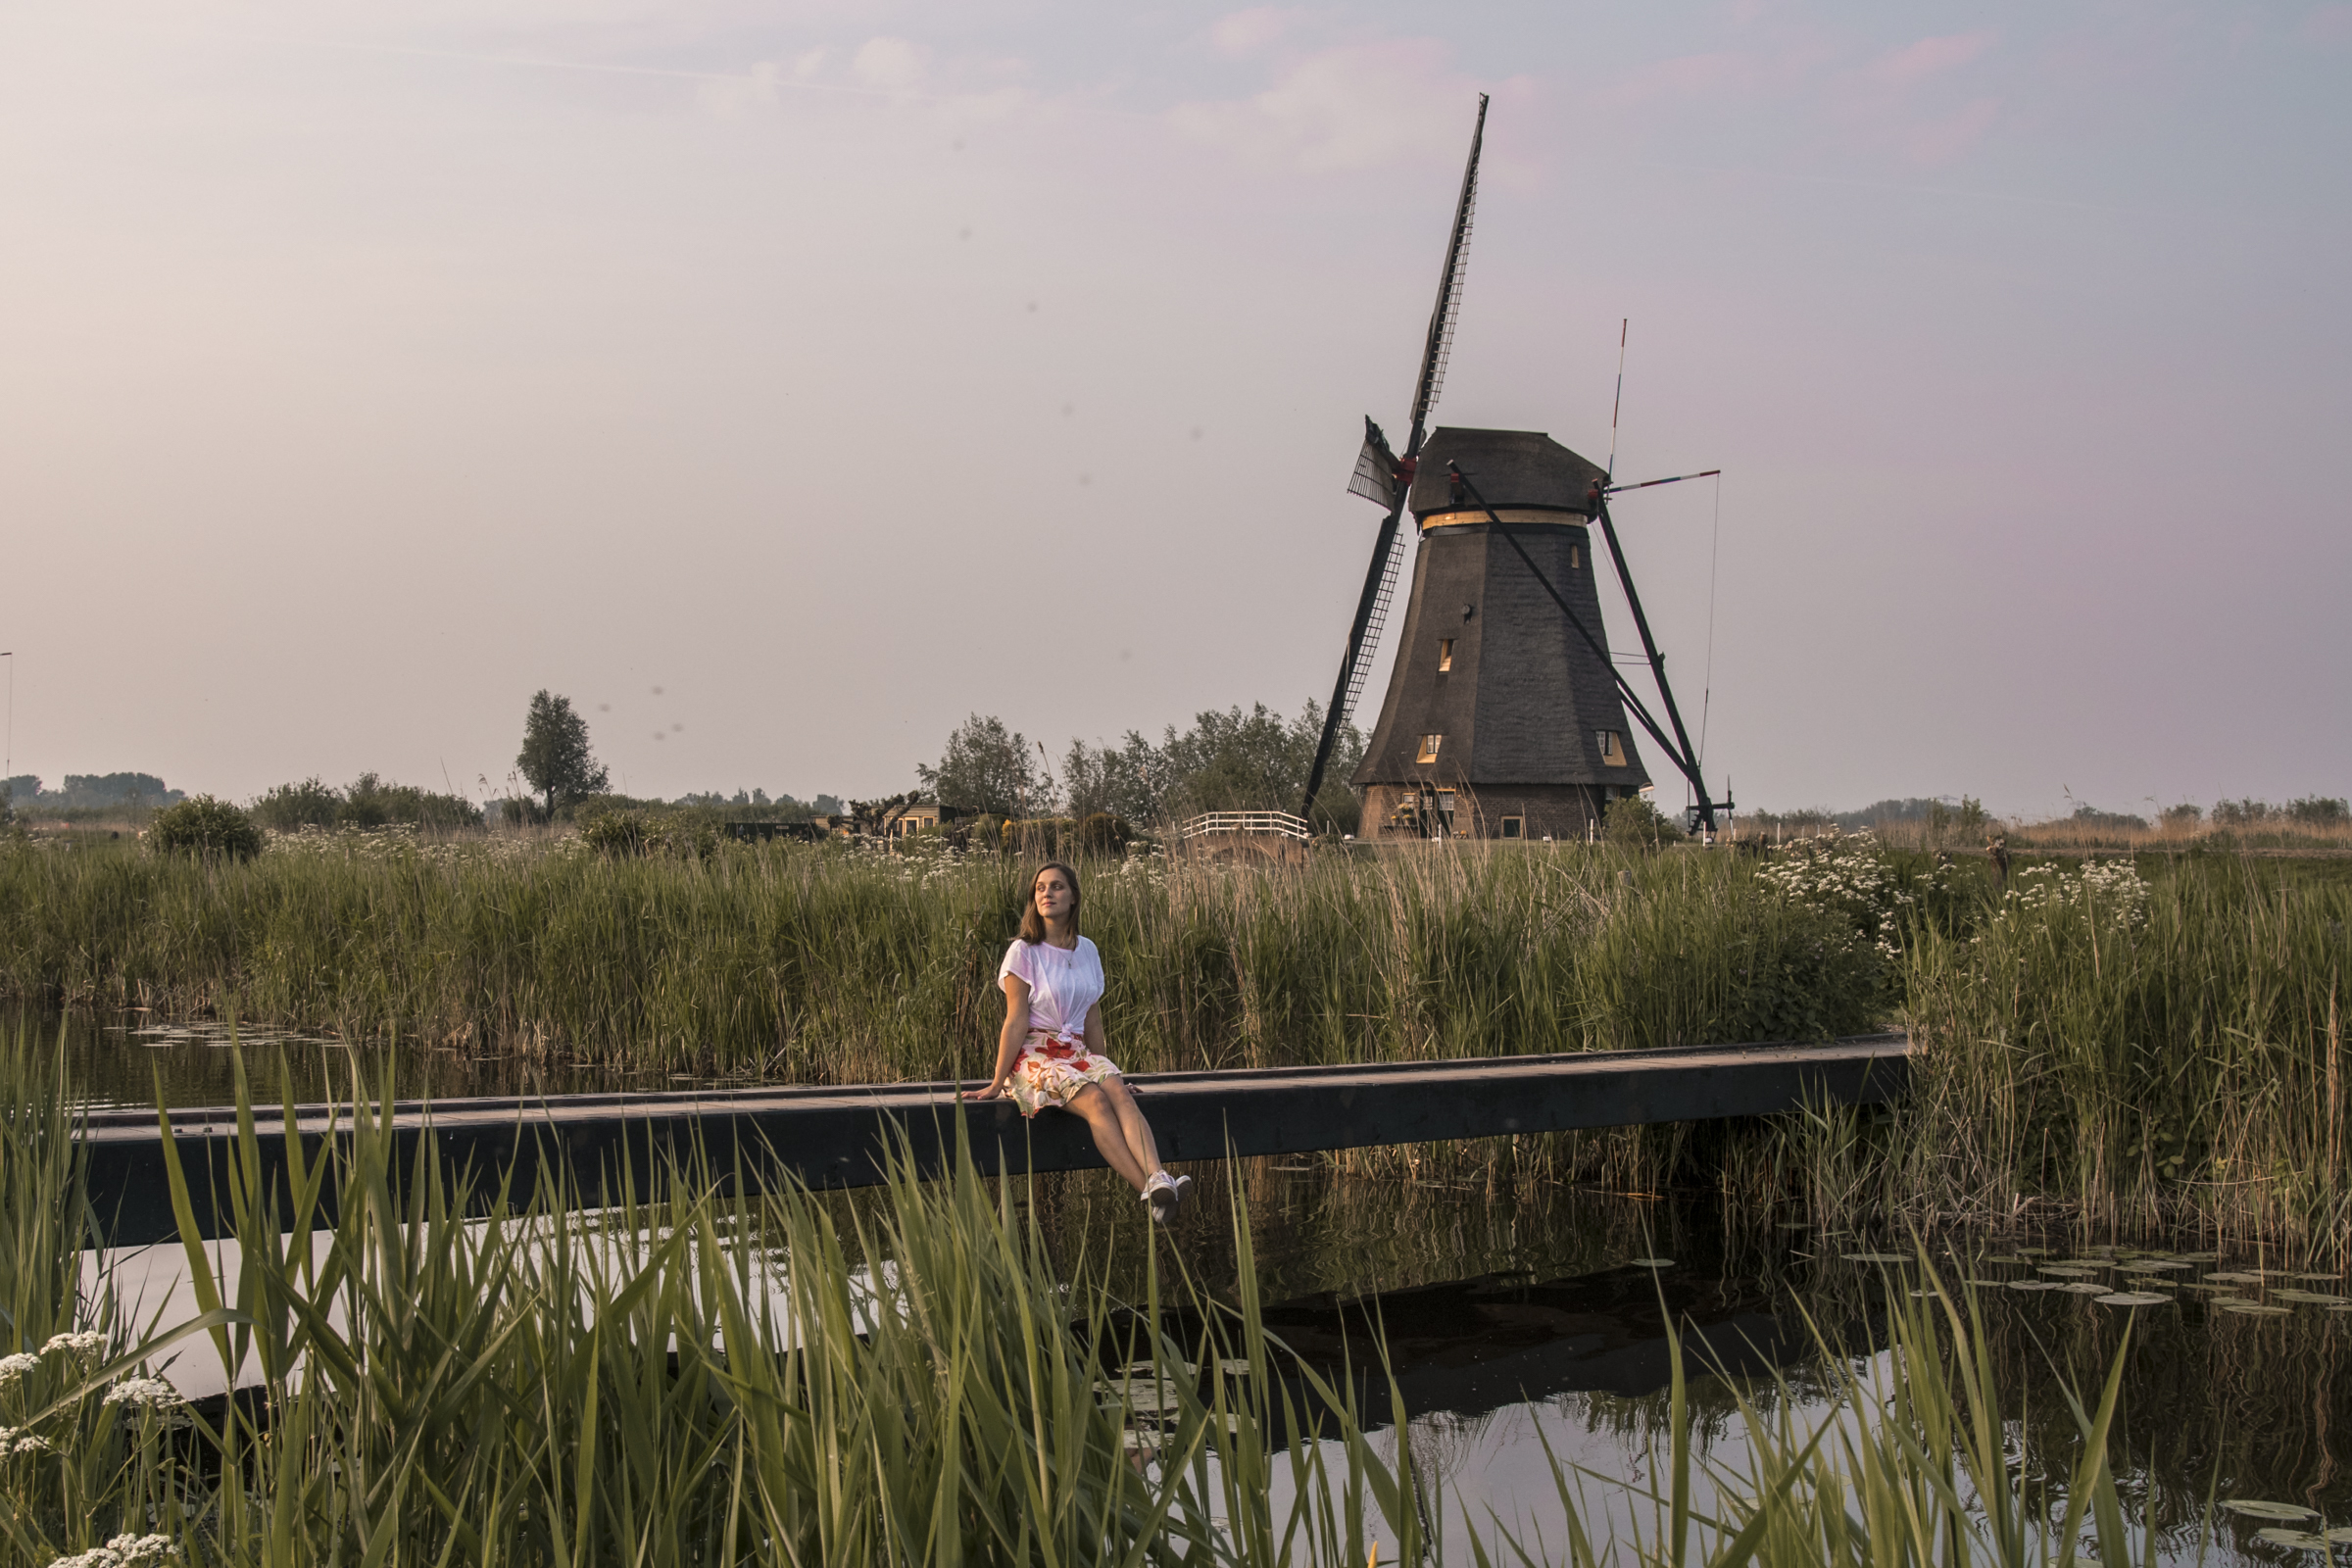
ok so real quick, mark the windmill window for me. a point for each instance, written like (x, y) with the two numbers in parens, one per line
(1576, 558)
(1429, 748)
(1514, 827)
(1612, 747)
(1445, 653)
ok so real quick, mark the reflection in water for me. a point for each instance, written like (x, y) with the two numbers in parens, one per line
(1516, 1318)
(125, 1060)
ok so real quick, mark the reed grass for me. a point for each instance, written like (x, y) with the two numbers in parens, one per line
(2120, 1043)
(816, 965)
(468, 1376)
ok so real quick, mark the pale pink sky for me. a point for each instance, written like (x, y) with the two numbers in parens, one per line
(844, 369)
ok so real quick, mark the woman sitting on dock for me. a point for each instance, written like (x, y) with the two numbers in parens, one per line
(1049, 1051)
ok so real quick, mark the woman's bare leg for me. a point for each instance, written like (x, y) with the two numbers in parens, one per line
(1103, 1120)
(1140, 1142)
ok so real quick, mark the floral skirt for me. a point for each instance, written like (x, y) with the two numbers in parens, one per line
(1051, 1069)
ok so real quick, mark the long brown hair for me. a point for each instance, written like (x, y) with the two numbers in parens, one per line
(1033, 924)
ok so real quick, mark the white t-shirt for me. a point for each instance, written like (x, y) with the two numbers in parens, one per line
(1065, 984)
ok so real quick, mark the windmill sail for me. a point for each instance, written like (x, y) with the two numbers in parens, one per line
(1377, 477)
(1380, 581)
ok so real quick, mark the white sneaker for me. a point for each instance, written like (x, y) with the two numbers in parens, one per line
(1162, 1193)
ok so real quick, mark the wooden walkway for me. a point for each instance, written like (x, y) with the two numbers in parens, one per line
(836, 1137)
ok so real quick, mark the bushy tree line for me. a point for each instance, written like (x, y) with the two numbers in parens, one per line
(366, 802)
(90, 791)
(1225, 762)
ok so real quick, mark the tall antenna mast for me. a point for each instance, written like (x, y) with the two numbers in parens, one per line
(1618, 402)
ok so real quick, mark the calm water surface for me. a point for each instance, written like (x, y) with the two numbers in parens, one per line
(1519, 1318)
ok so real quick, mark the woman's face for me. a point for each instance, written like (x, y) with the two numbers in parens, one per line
(1056, 898)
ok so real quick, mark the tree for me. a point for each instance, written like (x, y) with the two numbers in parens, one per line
(1124, 781)
(204, 827)
(989, 768)
(555, 757)
(1636, 823)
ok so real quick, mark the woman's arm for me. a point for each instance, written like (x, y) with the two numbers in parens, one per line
(1093, 1030)
(1011, 1037)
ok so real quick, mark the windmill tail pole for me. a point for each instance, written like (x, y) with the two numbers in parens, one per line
(1685, 757)
(1684, 762)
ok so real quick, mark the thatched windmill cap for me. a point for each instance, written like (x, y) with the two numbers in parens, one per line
(1521, 469)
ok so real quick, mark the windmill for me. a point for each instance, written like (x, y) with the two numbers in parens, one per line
(1503, 696)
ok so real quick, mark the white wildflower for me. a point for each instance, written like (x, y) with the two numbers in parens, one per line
(122, 1551)
(13, 1367)
(86, 1345)
(150, 1394)
(15, 1441)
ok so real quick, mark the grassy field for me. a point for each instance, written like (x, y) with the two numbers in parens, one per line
(468, 1378)
(2125, 1040)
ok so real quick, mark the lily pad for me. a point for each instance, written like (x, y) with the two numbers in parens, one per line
(1234, 1369)
(2320, 1296)
(2237, 1277)
(2259, 1508)
(2033, 1251)
(2134, 1298)
(2199, 1257)
(2254, 1309)
(2324, 1278)
(2341, 1536)
(2303, 1539)
(2072, 1271)
(1651, 1262)
(2207, 1285)
(2154, 1265)
(2084, 1288)
(1877, 1257)
(2033, 1285)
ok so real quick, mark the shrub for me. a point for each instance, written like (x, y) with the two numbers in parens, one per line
(2317, 810)
(1635, 823)
(620, 834)
(1105, 834)
(2183, 817)
(204, 826)
(309, 804)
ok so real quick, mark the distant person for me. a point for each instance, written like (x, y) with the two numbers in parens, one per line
(1049, 1051)
(1997, 847)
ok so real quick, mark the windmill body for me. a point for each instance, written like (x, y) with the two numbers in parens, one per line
(1500, 722)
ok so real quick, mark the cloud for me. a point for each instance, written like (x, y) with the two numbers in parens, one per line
(892, 64)
(1930, 57)
(1245, 33)
(1358, 106)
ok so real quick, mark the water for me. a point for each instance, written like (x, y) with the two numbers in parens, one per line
(1519, 1318)
(128, 1059)
(1515, 1320)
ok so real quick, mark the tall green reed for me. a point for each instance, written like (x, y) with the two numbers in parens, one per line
(824, 967)
(2135, 1053)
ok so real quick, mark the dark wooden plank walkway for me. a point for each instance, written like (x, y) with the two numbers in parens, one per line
(835, 1137)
